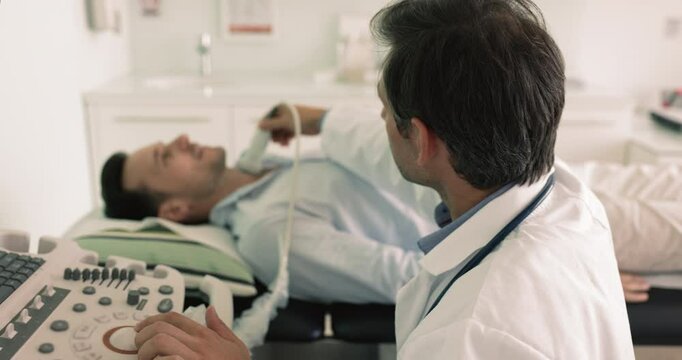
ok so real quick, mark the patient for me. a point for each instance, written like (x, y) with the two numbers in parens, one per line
(351, 241)
(644, 206)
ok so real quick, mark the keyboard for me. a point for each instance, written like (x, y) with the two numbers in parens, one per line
(60, 304)
(15, 269)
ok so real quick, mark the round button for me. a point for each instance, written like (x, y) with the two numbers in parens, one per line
(165, 305)
(124, 339)
(165, 289)
(80, 307)
(89, 290)
(46, 348)
(59, 325)
(105, 300)
(120, 340)
(143, 290)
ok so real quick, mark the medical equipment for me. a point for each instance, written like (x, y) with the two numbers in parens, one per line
(250, 159)
(670, 118)
(252, 326)
(60, 304)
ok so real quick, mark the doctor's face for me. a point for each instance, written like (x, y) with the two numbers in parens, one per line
(179, 168)
(400, 146)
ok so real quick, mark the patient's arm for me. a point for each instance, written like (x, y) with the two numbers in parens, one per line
(635, 287)
(356, 139)
(281, 124)
(329, 265)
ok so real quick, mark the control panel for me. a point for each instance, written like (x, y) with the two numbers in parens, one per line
(59, 304)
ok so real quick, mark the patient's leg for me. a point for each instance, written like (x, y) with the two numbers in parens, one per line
(637, 181)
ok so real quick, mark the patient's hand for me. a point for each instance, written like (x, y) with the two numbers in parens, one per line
(636, 289)
(281, 126)
(175, 336)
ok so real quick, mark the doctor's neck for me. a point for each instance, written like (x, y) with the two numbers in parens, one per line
(460, 196)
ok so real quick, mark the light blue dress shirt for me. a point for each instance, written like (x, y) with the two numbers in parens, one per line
(351, 241)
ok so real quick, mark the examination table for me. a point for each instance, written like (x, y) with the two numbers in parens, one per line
(656, 322)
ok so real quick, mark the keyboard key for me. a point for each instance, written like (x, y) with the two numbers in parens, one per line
(32, 266)
(15, 266)
(6, 274)
(7, 259)
(38, 261)
(2, 280)
(12, 283)
(5, 292)
(25, 271)
(24, 258)
(19, 277)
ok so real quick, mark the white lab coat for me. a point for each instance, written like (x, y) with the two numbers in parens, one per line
(550, 291)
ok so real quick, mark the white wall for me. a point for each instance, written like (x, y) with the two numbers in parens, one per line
(624, 46)
(609, 44)
(306, 42)
(47, 58)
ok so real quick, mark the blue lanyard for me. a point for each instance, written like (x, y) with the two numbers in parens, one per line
(492, 244)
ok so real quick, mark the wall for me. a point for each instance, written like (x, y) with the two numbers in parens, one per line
(612, 44)
(624, 45)
(306, 42)
(47, 58)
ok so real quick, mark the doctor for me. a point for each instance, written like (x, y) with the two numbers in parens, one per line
(523, 266)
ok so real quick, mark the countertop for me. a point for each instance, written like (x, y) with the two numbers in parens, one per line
(187, 90)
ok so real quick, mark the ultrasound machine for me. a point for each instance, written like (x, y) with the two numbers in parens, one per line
(59, 304)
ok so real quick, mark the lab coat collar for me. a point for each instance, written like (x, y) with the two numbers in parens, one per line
(481, 227)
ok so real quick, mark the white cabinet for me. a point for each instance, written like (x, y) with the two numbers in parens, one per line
(594, 126)
(654, 144)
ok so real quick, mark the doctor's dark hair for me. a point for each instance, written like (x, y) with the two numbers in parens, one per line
(484, 75)
(120, 203)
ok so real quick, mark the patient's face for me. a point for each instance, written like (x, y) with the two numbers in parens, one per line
(179, 168)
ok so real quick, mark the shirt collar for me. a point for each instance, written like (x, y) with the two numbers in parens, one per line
(442, 217)
(479, 227)
(273, 163)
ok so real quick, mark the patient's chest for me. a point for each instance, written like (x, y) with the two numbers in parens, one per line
(334, 194)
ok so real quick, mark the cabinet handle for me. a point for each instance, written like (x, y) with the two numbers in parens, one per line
(162, 119)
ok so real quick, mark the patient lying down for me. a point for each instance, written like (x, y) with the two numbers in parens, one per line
(351, 241)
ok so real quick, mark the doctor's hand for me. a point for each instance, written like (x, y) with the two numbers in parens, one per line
(173, 336)
(636, 289)
(281, 123)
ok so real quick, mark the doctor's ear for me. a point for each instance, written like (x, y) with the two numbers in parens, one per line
(425, 140)
(174, 209)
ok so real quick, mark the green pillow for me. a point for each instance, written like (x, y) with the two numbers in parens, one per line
(158, 245)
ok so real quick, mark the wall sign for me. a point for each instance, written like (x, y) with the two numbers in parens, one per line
(248, 20)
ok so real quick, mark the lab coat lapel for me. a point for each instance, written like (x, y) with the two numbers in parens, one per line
(411, 304)
(412, 300)
(480, 228)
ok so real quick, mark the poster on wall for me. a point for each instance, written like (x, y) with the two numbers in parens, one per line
(249, 20)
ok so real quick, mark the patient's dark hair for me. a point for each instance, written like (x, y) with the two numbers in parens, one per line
(120, 203)
(484, 75)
